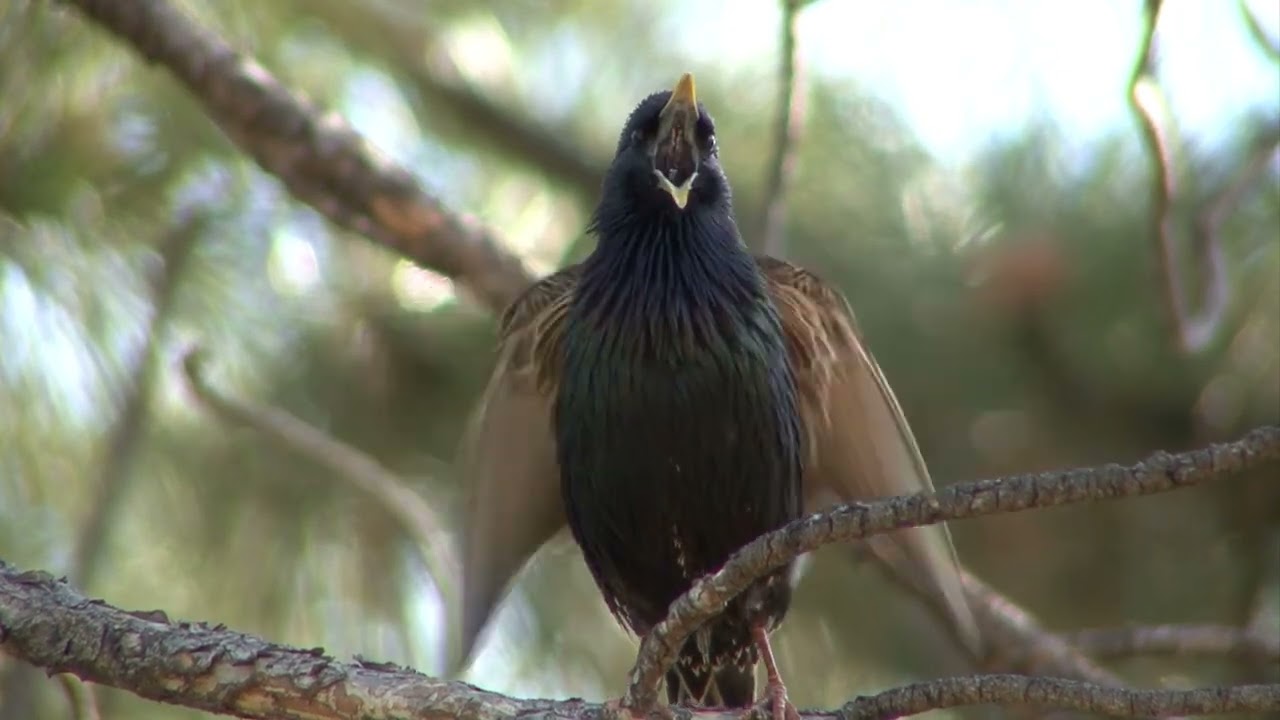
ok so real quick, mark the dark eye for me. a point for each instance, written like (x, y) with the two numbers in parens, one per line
(706, 134)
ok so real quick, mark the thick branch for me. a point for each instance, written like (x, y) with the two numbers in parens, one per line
(1159, 473)
(322, 161)
(47, 623)
(1058, 694)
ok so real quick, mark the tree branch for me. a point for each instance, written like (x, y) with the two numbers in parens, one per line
(1195, 326)
(1159, 473)
(1051, 693)
(1216, 640)
(176, 248)
(414, 514)
(1026, 646)
(1209, 220)
(788, 127)
(47, 623)
(1014, 639)
(1022, 644)
(321, 160)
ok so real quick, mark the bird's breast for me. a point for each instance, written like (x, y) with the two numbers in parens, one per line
(678, 442)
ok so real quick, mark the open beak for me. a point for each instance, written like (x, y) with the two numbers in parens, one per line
(675, 157)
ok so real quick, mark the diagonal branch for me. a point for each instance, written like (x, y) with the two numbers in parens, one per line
(414, 514)
(176, 248)
(788, 127)
(1015, 641)
(1258, 33)
(320, 159)
(1161, 472)
(1215, 212)
(208, 667)
(1023, 643)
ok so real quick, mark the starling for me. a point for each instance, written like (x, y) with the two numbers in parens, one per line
(685, 397)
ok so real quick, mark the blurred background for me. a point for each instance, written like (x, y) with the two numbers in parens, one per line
(970, 174)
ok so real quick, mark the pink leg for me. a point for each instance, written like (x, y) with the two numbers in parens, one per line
(782, 709)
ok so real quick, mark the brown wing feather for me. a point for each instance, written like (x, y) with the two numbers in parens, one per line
(507, 461)
(860, 446)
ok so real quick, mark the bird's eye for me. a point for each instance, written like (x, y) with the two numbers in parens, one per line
(637, 137)
(706, 134)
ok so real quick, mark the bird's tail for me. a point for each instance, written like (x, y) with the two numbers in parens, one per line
(695, 681)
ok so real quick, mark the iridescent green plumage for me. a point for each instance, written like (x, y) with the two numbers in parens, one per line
(677, 420)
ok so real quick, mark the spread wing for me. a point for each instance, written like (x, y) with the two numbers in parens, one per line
(860, 446)
(507, 460)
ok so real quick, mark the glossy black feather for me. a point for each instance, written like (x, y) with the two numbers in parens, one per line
(677, 421)
(675, 390)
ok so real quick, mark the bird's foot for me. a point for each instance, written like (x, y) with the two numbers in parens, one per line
(782, 708)
(773, 705)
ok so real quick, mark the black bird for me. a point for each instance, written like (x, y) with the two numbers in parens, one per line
(684, 397)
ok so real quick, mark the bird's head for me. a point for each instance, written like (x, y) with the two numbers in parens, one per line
(666, 158)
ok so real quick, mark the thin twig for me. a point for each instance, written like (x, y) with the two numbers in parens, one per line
(81, 698)
(1013, 639)
(320, 159)
(788, 128)
(1215, 212)
(1194, 325)
(1022, 644)
(176, 248)
(1213, 640)
(1159, 473)
(414, 514)
(1144, 97)
(1269, 47)
(47, 623)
